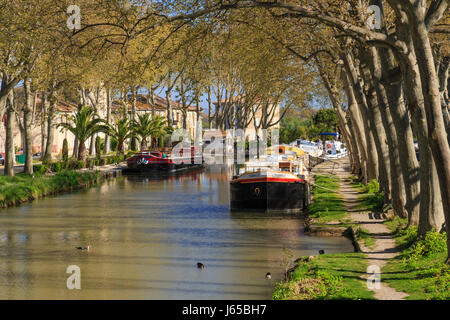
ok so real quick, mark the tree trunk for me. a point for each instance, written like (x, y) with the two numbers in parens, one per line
(408, 159)
(437, 134)
(43, 124)
(152, 101)
(107, 147)
(169, 109)
(50, 128)
(9, 143)
(397, 183)
(133, 114)
(355, 85)
(357, 125)
(379, 134)
(82, 152)
(27, 115)
(356, 150)
(431, 215)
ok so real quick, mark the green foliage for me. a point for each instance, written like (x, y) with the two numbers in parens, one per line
(405, 237)
(371, 198)
(75, 165)
(293, 128)
(39, 169)
(326, 120)
(433, 244)
(420, 269)
(119, 132)
(147, 126)
(85, 124)
(372, 187)
(56, 167)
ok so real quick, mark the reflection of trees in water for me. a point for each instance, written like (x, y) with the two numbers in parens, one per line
(219, 175)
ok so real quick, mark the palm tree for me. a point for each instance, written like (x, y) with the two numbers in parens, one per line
(147, 126)
(120, 130)
(85, 125)
(160, 128)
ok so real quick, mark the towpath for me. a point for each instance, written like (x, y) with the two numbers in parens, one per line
(384, 248)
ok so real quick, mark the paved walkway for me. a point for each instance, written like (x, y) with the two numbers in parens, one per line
(384, 248)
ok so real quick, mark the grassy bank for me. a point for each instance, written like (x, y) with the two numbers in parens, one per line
(419, 270)
(326, 277)
(327, 204)
(23, 188)
(329, 276)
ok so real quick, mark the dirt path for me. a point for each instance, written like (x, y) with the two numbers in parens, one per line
(384, 248)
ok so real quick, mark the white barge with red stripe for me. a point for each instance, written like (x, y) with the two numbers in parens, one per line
(269, 191)
(276, 182)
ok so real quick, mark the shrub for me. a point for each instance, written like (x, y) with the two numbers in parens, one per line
(75, 165)
(39, 169)
(80, 164)
(433, 243)
(317, 285)
(372, 187)
(65, 151)
(56, 167)
(89, 163)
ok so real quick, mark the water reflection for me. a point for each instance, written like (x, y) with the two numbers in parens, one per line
(147, 234)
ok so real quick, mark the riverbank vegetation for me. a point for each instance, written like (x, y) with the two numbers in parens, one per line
(326, 277)
(23, 188)
(420, 269)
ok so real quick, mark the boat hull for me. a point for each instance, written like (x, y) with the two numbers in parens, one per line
(163, 167)
(276, 197)
(147, 162)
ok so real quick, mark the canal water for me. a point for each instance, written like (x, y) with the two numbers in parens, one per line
(146, 236)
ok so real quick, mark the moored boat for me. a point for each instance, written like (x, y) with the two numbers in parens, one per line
(274, 183)
(163, 161)
(269, 191)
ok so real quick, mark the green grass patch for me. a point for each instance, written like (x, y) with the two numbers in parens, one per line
(326, 277)
(22, 188)
(327, 204)
(420, 269)
(366, 236)
(370, 198)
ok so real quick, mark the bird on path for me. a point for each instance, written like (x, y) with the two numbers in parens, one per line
(84, 248)
(268, 275)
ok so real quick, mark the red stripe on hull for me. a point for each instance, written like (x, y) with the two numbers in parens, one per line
(269, 180)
